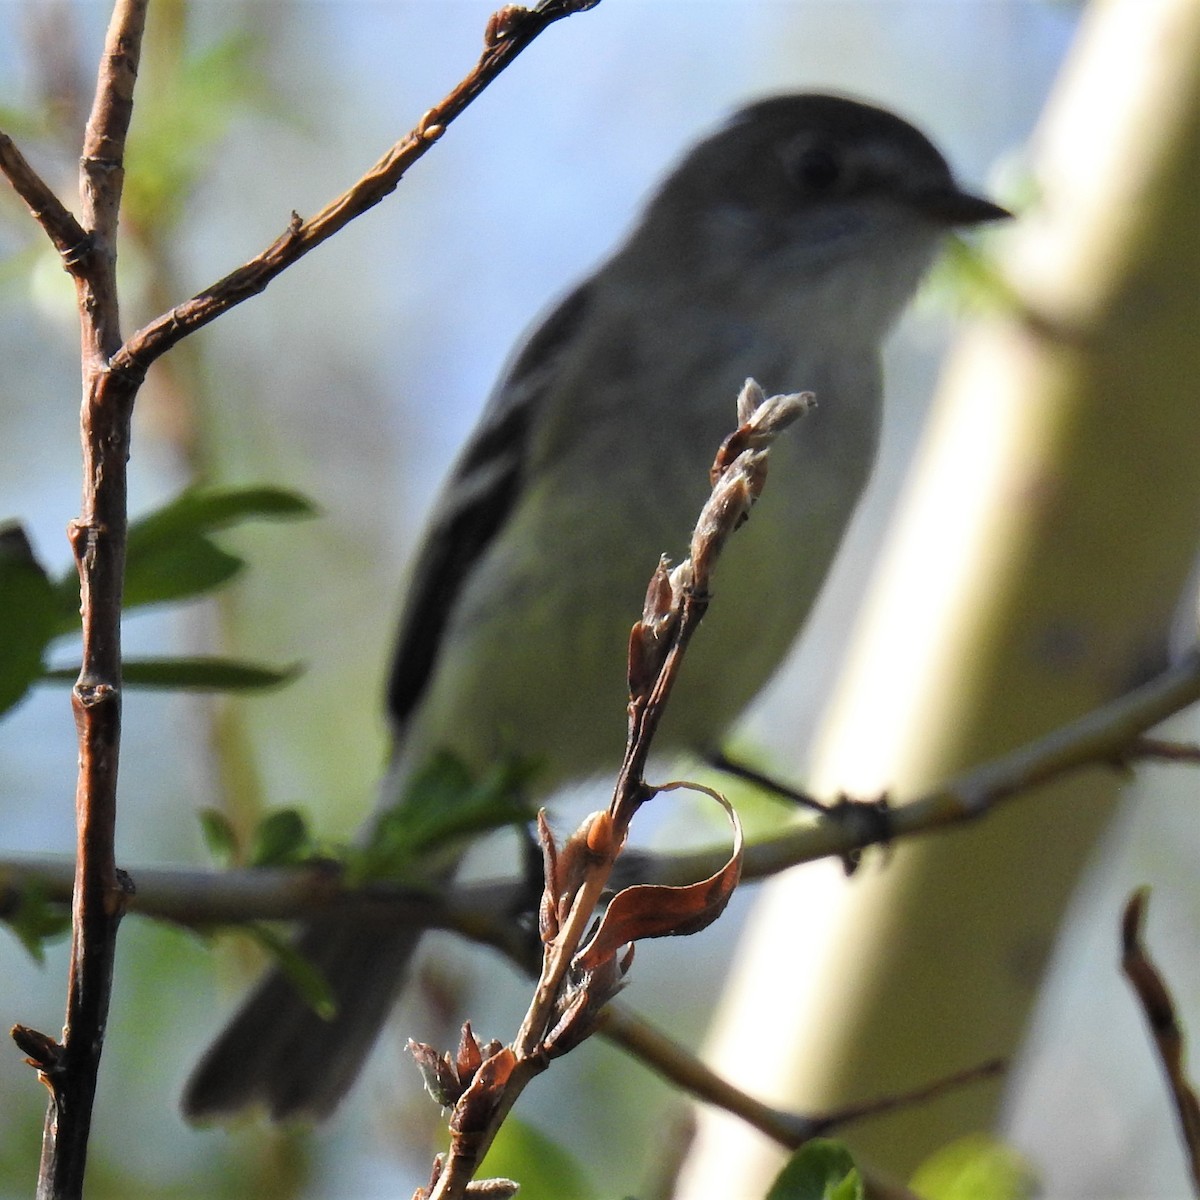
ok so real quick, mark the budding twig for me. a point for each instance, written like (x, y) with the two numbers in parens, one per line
(583, 965)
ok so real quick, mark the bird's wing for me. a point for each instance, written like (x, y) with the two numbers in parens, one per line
(475, 504)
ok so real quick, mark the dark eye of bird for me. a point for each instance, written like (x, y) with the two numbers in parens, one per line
(817, 169)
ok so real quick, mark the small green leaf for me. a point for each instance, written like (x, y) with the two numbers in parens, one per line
(281, 839)
(36, 920)
(304, 976)
(200, 509)
(969, 279)
(545, 1170)
(189, 567)
(206, 674)
(28, 611)
(819, 1170)
(443, 805)
(975, 1167)
(192, 674)
(220, 837)
(170, 554)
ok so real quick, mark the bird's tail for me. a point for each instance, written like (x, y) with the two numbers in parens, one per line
(278, 1053)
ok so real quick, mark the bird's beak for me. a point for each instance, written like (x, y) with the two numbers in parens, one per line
(953, 207)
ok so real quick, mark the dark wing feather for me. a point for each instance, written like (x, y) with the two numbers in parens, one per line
(476, 502)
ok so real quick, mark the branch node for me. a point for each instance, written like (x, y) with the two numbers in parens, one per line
(94, 164)
(92, 695)
(870, 822)
(502, 22)
(78, 255)
(429, 129)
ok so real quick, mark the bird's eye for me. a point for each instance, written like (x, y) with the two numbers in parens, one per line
(816, 169)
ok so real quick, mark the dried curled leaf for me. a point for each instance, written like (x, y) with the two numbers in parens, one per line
(474, 1108)
(655, 910)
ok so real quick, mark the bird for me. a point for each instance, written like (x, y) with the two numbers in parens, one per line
(783, 246)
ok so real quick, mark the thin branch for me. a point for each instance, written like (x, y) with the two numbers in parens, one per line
(584, 962)
(791, 1130)
(202, 897)
(509, 32)
(922, 1094)
(102, 166)
(98, 541)
(721, 761)
(682, 1068)
(1097, 739)
(48, 210)
(1159, 1010)
(1162, 750)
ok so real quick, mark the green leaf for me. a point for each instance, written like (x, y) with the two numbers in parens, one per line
(311, 985)
(192, 566)
(543, 1168)
(28, 615)
(968, 279)
(203, 509)
(975, 1167)
(282, 839)
(170, 554)
(220, 837)
(819, 1170)
(442, 805)
(36, 920)
(192, 674)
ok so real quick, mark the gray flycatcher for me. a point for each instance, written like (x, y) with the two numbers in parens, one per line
(782, 247)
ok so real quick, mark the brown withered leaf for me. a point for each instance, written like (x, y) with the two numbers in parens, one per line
(474, 1108)
(655, 910)
(571, 865)
(548, 906)
(469, 1056)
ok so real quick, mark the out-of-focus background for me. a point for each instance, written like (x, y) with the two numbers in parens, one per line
(354, 379)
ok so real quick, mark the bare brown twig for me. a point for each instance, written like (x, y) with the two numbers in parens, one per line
(1159, 1009)
(98, 540)
(199, 898)
(584, 964)
(48, 210)
(1161, 750)
(789, 1129)
(509, 32)
(1098, 739)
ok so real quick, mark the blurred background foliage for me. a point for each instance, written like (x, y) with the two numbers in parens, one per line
(352, 381)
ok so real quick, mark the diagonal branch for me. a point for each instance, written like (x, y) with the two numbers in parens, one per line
(1159, 1009)
(48, 210)
(578, 977)
(509, 32)
(191, 897)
